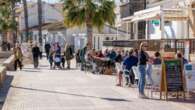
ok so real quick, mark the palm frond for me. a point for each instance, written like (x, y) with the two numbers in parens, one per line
(94, 12)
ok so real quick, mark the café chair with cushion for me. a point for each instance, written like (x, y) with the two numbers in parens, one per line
(156, 78)
(136, 73)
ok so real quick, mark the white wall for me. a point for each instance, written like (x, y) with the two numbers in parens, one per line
(50, 15)
(174, 29)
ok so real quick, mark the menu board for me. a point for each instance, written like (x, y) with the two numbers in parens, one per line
(174, 75)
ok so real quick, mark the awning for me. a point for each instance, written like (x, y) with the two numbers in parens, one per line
(127, 19)
(157, 13)
(147, 14)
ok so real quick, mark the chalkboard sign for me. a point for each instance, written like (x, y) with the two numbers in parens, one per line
(174, 75)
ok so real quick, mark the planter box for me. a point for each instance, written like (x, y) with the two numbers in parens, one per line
(2, 75)
(9, 63)
(5, 54)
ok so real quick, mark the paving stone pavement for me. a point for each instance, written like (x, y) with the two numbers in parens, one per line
(45, 89)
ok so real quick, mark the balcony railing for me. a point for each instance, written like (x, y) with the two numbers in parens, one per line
(169, 45)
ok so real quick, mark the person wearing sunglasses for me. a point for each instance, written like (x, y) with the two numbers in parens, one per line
(142, 63)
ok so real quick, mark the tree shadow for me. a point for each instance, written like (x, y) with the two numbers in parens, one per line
(32, 71)
(78, 95)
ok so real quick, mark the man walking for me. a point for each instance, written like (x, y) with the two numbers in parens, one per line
(82, 54)
(68, 53)
(36, 54)
(47, 49)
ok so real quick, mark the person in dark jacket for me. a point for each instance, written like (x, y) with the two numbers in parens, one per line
(82, 55)
(128, 63)
(36, 53)
(47, 49)
(68, 53)
(112, 55)
(143, 58)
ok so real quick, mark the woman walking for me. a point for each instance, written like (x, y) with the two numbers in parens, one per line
(57, 56)
(142, 62)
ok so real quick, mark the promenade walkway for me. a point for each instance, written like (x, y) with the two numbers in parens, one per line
(44, 89)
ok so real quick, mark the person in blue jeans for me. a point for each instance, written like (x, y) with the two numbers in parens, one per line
(142, 62)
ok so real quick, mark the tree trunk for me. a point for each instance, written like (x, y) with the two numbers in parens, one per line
(40, 21)
(25, 7)
(14, 33)
(89, 35)
(4, 41)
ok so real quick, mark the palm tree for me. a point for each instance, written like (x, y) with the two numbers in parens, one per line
(25, 8)
(39, 3)
(91, 13)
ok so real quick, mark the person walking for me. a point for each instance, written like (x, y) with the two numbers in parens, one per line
(118, 61)
(142, 62)
(57, 56)
(51, 57)
(82, 54)
(17, 56)
(47, 49)
(36, 54)
(78, 60)
(68, 53)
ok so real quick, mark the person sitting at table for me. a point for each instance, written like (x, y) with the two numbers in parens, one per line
(128, 63)
(157, 59)
(112, 55)
(106, 53)
(180, 56)
(100, 54)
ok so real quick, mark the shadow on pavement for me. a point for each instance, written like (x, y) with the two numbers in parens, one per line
(44, 65)
(188, 100)
(5, 89)
(79, 95)
(31, 70)
(181, 100)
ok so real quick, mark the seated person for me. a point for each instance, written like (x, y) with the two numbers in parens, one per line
(180, 56)
(130, 61)
(157, 59)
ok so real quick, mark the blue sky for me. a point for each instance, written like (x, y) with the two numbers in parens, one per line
(52, 1)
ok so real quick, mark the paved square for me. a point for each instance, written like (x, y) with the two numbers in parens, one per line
(45, 89)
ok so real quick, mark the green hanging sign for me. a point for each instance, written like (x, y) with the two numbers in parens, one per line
(156, 22)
